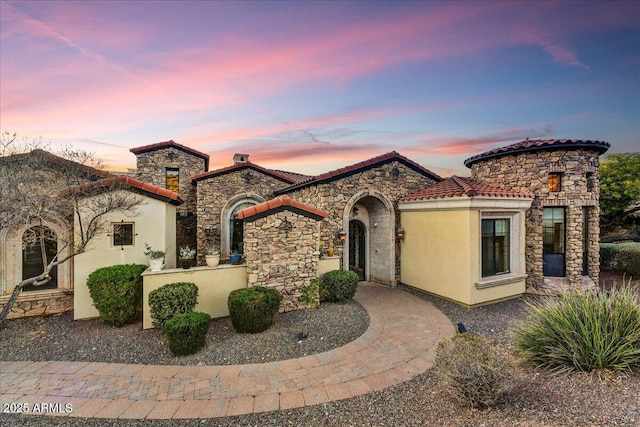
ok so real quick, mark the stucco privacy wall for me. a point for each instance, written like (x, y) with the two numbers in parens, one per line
(529, 171)
(339, 196)
(219, 194)
(154, 224)
(214, 285)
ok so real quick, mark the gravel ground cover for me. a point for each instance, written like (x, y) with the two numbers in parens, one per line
(537, 398)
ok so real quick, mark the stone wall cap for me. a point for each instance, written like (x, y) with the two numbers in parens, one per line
(529, 145)
(279, 204)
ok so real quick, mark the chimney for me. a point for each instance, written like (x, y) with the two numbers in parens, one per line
(240, 158)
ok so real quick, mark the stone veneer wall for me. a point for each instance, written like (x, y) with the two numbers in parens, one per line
(151, 168)
(278, 261)
(529, 171)
(40, 304)
(218, 192)
(333, 197)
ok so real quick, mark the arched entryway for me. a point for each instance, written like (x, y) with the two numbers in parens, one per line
(370, 246)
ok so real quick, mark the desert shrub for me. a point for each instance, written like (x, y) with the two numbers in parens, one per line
(170, 300)
(187, 332)
(473, 370)
(607, 254)
(116, 292)
(627, 258)
(338, 285)
(582, 331)
(253, 309)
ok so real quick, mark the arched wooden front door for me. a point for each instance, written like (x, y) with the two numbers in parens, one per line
(357, 248)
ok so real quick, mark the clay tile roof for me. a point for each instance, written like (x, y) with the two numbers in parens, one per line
(287, 177)
(360, 167)
(134, 185)
(278, 204)
(538, 144)
(457, 186)
(172, 143)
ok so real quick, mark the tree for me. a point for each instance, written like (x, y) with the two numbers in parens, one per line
(38, 189)
(619, 188)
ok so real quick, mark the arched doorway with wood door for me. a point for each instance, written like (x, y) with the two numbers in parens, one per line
(369, 247)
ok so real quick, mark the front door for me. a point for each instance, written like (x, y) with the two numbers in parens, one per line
(553, 242)
(357, 248)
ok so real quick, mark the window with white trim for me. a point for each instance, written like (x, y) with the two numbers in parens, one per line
(496, 246)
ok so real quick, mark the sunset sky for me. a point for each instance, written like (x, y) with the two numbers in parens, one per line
(314, 86)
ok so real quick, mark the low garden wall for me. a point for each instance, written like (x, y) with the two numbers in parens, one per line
(328, 264)
(214, 285)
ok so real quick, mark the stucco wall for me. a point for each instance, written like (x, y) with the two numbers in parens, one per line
(154, 224)
(436, 252)
(328, 264)
(214, 285)
(442, 250)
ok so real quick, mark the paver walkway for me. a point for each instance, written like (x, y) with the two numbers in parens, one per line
(397, 346)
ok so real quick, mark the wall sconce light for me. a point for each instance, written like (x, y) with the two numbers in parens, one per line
(342, 235)
(400, 233)
(395, 172)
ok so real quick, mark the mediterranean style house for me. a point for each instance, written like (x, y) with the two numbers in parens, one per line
(526, 220)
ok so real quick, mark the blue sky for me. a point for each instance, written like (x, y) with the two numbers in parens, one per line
(313, 86)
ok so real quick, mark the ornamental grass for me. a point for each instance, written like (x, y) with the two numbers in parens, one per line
(582, 332)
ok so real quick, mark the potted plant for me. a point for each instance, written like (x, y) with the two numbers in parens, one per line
(330, 251)
(186, 256)
(235, 257)
(212, 257)
(156, 258)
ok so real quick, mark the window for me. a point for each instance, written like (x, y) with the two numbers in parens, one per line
(553, 241)
(554, 182)
(173, 182)
(122, 234)
(495, 246)
(32, 264)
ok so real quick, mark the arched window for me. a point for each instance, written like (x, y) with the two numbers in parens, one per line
(32, 264)
(236, 231)
(231, 235)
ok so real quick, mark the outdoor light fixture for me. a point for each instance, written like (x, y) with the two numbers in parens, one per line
(395, 172)
(400, 233)
(342, 235)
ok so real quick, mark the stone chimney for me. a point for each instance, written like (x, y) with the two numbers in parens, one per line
(240, 158)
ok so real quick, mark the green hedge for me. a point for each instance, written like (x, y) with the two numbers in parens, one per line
(253, 309)
(117, 293)
(338, 285)
(621, 256)
(187, 332)
(171, 300)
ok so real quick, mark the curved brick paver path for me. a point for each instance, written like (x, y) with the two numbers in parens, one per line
(397, 346)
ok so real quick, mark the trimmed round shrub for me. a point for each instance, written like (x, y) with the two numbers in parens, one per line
(473, 370)
(187, 332)
(338, 285)
(582, 331)
(116, 292)
(170, 300)
(253, 309)
(627, 258)
(607, 254)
